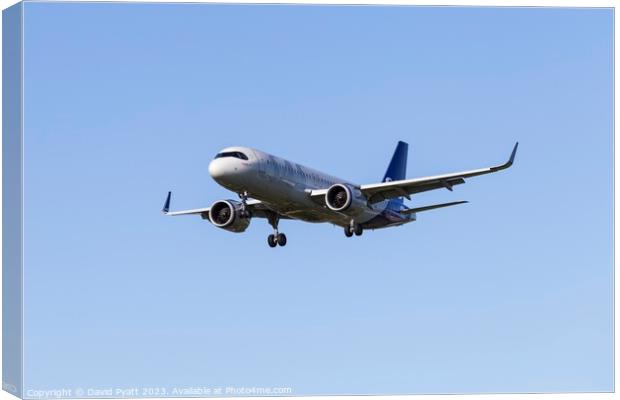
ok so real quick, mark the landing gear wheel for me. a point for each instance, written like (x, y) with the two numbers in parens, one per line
(271, 241)
(276, 238)
(347, 231)
(358, 230)
(281, 239)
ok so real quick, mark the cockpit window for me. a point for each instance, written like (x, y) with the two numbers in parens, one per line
(236, 154)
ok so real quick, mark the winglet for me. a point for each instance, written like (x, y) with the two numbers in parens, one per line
(166, 208)
(513, 154)
(508, 163)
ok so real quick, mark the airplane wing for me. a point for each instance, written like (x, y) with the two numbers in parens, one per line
(256, 207)
(377, 192)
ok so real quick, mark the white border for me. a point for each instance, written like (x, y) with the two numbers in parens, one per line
(481, 3)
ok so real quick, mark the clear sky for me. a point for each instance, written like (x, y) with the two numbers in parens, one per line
(512, 292)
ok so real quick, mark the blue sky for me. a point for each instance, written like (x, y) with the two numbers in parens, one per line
(512, 292)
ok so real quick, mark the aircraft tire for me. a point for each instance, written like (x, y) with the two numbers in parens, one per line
(358, 230)
(271, 241)
(281, 239)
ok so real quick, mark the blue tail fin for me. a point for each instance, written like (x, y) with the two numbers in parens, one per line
(397, 169)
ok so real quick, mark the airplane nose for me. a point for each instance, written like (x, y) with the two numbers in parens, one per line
(228, 171)
(217, 169)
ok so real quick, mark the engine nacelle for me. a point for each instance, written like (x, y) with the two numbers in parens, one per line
(228, 214)
(345, 199)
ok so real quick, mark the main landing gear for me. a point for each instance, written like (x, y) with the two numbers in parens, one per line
(275, 238)
(353, 228)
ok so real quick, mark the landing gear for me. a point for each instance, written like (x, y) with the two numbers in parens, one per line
(354, 228)
(276, 238)
(245, 213)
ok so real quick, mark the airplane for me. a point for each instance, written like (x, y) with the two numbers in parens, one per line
(273, 188)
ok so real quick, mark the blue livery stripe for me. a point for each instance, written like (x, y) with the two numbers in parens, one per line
(396, 171)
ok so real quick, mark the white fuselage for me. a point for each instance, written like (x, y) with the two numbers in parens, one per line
(284, 186)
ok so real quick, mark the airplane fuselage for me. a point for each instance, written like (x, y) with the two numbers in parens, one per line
(284, 186)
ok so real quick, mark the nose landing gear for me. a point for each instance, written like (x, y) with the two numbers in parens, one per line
(245, 213)
(276, 238)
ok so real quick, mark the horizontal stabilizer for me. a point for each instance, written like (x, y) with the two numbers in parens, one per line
(426, 208)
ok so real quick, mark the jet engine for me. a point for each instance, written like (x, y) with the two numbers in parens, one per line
(345, 199)
(229, 215)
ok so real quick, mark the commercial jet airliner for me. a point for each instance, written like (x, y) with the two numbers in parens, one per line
(274, 188)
